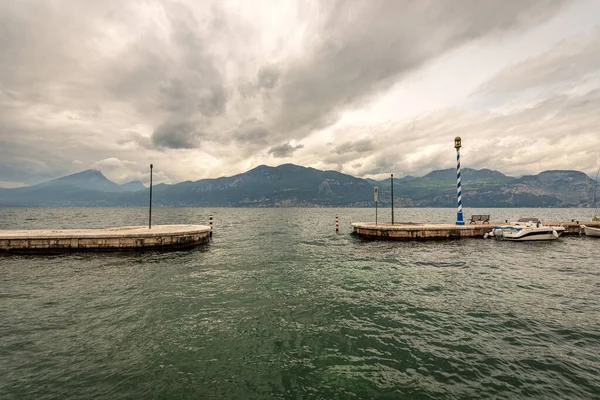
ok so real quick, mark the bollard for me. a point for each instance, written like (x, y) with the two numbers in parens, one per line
(337, 224)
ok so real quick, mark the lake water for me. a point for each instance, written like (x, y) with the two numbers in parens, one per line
(280, 306)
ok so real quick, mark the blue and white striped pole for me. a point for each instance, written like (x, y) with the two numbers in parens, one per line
(459, 211)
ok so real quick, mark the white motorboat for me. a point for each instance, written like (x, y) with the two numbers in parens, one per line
(526, 229)
(589, 231)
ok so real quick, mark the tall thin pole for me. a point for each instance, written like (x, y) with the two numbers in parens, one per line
(376, 198)
(459, 211)
(150, 208)
(392, 199)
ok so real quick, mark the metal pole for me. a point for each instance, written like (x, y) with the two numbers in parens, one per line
(376, 198)
(392, 199)
(459, 211)
(150, 208)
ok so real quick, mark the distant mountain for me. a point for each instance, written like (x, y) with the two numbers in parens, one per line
(571, 187)
(132, 186)
(91, 179)
(285, 185)
(291, 185)
(386, 183)
(489, 188)
(86, 188)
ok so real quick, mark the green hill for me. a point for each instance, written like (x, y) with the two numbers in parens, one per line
(291, 185)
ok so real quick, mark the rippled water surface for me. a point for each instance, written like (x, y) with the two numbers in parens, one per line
(280, 306)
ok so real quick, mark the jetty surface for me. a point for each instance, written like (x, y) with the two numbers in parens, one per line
(107, 239)
(411, 230)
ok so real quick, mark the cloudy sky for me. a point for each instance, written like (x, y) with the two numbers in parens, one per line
(211, 88)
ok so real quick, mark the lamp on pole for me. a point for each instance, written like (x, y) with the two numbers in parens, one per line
(459, 211)
(150, 207)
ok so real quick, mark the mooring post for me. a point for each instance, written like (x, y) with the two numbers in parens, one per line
(392, 199)
(459, 211)
(150, 207)
(210, 221)
(337, 224)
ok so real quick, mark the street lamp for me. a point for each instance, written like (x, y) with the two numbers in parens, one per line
(459, 211)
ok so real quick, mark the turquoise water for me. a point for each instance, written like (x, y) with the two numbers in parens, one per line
(280, 306)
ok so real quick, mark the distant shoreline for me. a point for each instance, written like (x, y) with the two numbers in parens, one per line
(299, 207)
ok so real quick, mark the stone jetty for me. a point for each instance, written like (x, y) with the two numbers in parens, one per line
(425, 231)
(160, 237)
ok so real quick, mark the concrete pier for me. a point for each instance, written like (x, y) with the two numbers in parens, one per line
(160, 237)
(425, 231)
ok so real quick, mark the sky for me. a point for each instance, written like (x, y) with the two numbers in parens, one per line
(203, 89)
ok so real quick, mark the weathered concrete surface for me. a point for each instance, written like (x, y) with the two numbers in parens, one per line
(119, 238)
(408, 230)
(403, 231)
(573, 228)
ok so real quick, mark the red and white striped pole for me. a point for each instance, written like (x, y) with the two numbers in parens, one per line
(337, 224)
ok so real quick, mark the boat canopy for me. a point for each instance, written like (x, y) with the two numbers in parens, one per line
(535, 220)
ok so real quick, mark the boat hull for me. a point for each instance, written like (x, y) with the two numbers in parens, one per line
(592, 232)
(528, 234)
(539, 236)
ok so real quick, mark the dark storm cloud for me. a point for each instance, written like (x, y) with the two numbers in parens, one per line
(186, 78)
(251, 131)
(363, 47)
(200, 83)
(177, 135)
(284, 150)
(78, 78)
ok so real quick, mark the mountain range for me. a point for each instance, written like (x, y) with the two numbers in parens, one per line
(290, 185)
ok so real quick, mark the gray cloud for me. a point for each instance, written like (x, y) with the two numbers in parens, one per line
(359, 146)
(176, 135)
(561, 67)
(284, 150)
(251, 131)
(268, 76)
(364, 46)
(136, 80)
